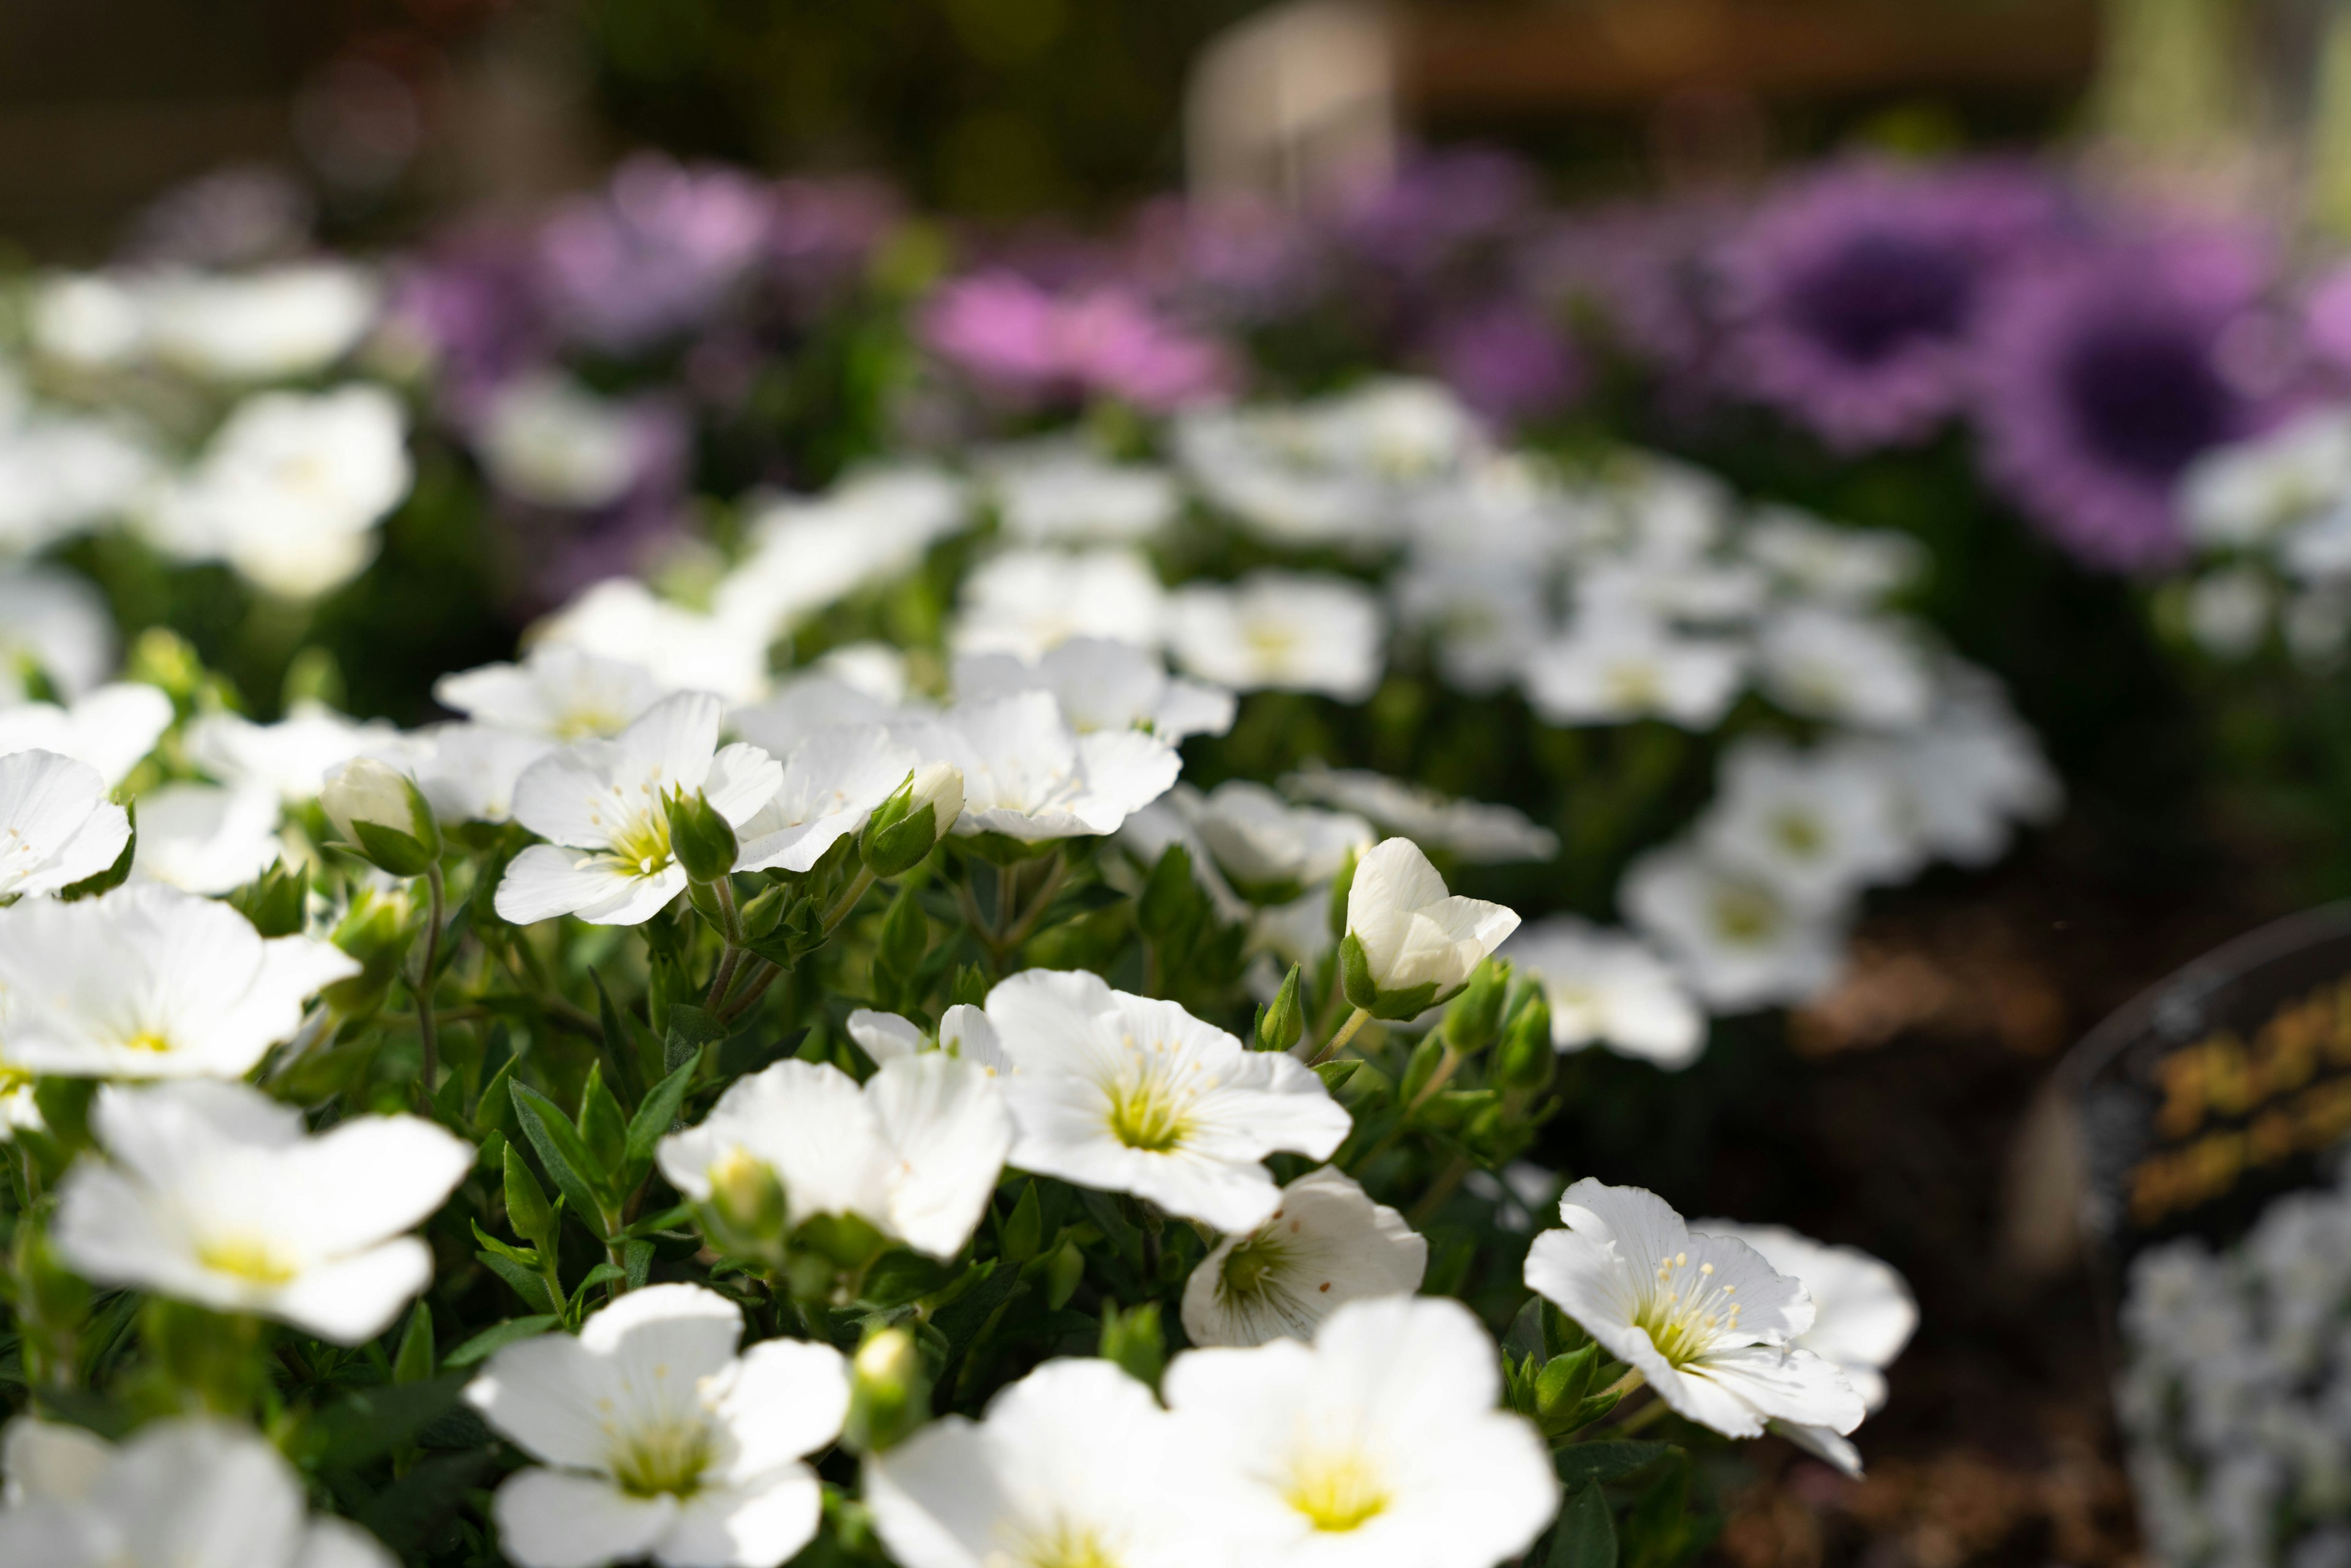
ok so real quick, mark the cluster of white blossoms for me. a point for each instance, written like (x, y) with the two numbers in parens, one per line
(2235, 1396)
(186, 406)
(2269, 519)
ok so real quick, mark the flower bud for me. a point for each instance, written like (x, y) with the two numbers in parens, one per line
(889, 1392)
(745, 1213)
(1526, 1057)
(383, 814)
(377, 931)
(700, 839)
(1474, 1017)
(1281, 1021)
(902, 829)
(1410, 942)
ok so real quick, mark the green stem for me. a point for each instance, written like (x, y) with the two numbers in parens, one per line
(1439, 1190)
(847, 902)
(1338, 1042)
(424, 988)
(1055, 870)
(1445, 1070)
(751, 993)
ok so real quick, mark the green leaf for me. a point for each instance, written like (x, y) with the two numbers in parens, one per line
(527, 1211)
(562, 1152)
(600, 1274)
(901, 1276)
(690, 1028)
(1583, 1464)
(1024, 1229)
(525, 1281)
(370, 1422)
(415, 1508)
(1586, 1534)
(624, 1036)
(413, 1363)
(637, 1263)
(1564, 1380)
(521, 1257)
(653, 1120)
(497, 1336)
(603, 1127)
(963, 1320)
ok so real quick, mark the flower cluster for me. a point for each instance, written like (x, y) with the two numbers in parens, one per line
(2236, 1396)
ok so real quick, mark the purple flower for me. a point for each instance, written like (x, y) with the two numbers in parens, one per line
(1022, 341)
(1508, 361)
(472, 305)
(822, 233)
(1438, 206)
(2104, 374)
(653, 254)
(1238, 259)
(1852, 299)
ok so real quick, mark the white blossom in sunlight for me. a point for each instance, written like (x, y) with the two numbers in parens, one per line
(291, 488)
(1380, 1443)
(1699, 593)
(914, 1150)
(561, 693)
(1484, 620)
(2250, 493)
(1056, 492)
(189, 1491)
(1863, 1314)
(207, 838)
(1127, 1093)
(1074, 1465)
(56, 622)
(810, 704)
(1736, 939)
(1415, 932)
(1102, 683)
(90, 320)
(283, 322)
(468, 771)
(1607, 988)
(806, 554)
(1867, 671)
(1328, 1244)
(597, 802)
(1816, 560)
(553, 442)
(1704, 1319)
(212, 1192)
(1028, 602)
(56, 826)
(111, 729)
(150, 982)
(964, 1032)
(1972, 774)
(2229, 612)
(1267, 848)
(1282, 630)
(63, 474)
(291, 757)
(831, 782)
(1819, 826)
(656, 1439)
(1470, 830)
(1607, 668)
(685, 649)
(1028, 776)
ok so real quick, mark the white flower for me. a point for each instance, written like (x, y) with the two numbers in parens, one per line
(56, 826)
(149, 982)
(599, 804)
(1282, 630)
(468, 771)
(1056, 492)
(1703, 1318)
(62, 475)
(546, 440)
(1470, 830)
(188, 1492)
(1266, 847)
(1852, 669)
(56, 622)
(1129, 1095)
(1608, 668)
(1485, 619)
(808, 554)
(1027, 775)
(685, 650)
(1416, 935)
(1972, 772)
(111, 729)
(2230, 612)
(292, 756)
(831, 782)
(1380, 1444)
(1075, 1466)
(207, 838)
(2249, 493)
(1817, 826)
(212, 1193)
(290, 489)
(558, 692)
(915, 1152)
(1739, 941)
(1606, 987)
(90, 320)
(1820, 560)
(1026, 602)
(810, 705)
(964, 1031)
(659, 1440)
(274, 325)
(1863, 1314)
(1102, 683)
(1669, 592)
(1327, 1245)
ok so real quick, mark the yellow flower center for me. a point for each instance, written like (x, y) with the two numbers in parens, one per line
(1146, 1111)
(1634, 684)
(1249, 1266)
(1798, 832)
(1069, 1546)
(1337, 1493)
(1272, 642)
(152, 1040)
(1745, 914)
(643, 846)
(1686, 1309)
(668, 1455)
(247, 1257)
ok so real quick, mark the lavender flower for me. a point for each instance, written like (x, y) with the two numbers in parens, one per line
(1021, 341)
(1438, 208)
(2103, 377)
(1854, 298)
(1506, 360)
(653, 254)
